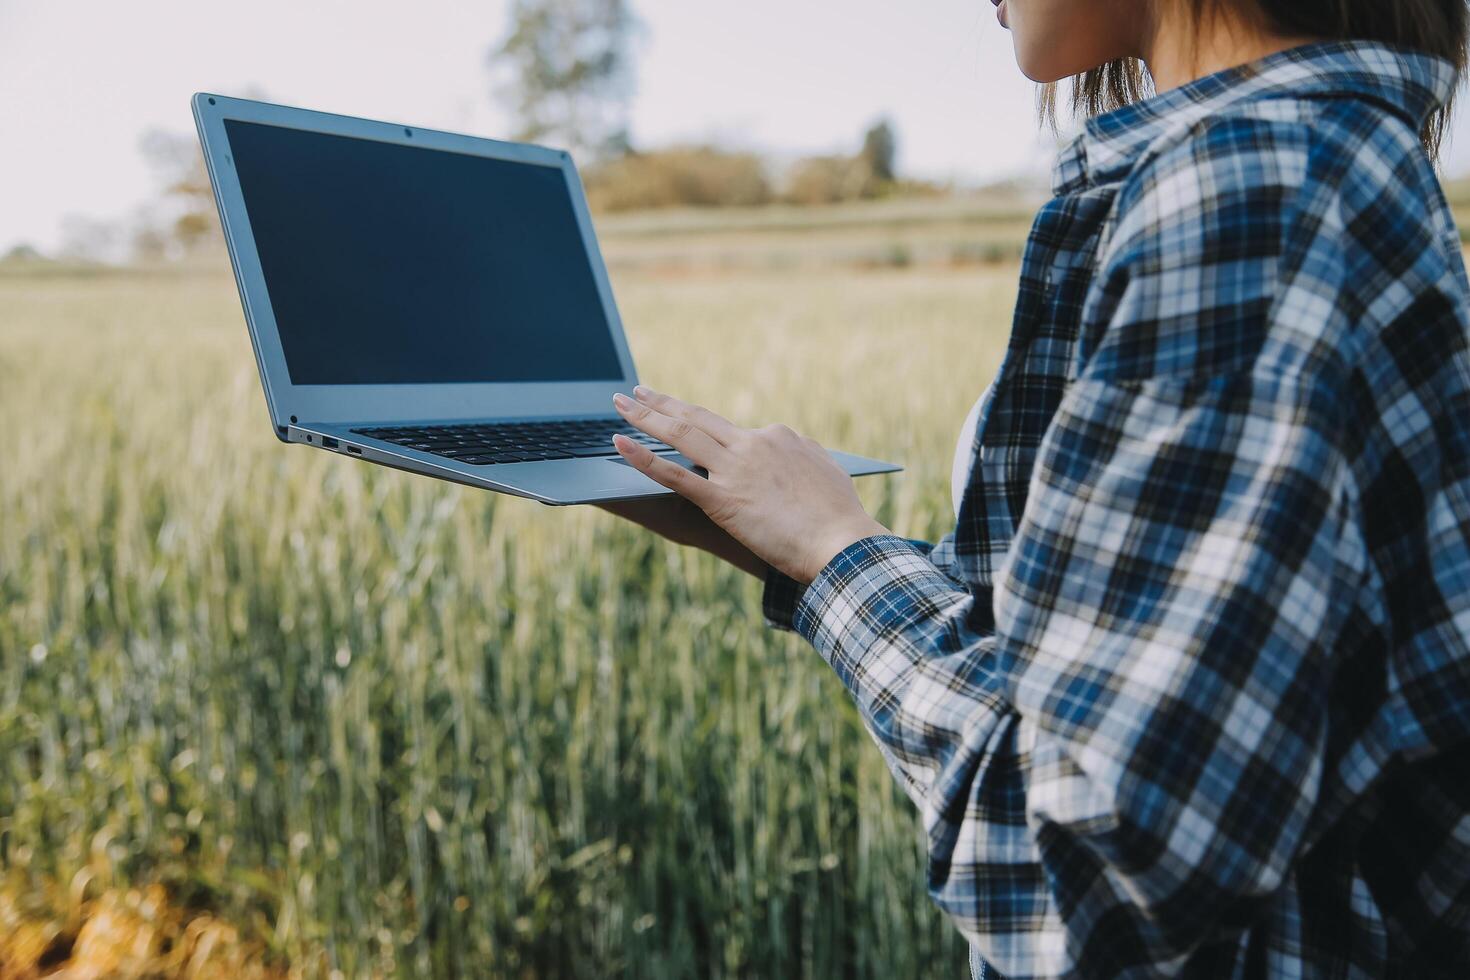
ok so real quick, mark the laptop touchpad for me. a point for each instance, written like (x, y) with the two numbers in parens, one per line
(679, 458)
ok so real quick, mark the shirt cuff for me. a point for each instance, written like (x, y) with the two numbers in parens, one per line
(872, 586)
(782, 593)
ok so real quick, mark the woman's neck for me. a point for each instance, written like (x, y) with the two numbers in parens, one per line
(1185, 48)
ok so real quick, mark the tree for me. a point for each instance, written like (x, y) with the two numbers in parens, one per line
(566, 72)
(880, 146)
(187, 222)
(21, 253)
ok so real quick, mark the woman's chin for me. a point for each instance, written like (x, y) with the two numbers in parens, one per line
(1054, 56)
(1043, 69)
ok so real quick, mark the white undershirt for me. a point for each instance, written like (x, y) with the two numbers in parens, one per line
(964, 453)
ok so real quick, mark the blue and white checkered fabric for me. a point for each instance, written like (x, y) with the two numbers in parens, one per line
(1187, 690)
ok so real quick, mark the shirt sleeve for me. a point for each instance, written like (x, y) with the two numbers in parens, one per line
(1132, 757)
(1126, 767)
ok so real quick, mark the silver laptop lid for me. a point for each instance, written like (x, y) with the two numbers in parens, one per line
(391, 273)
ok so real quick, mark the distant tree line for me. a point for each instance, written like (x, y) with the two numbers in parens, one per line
(565, 70)
(709, 176)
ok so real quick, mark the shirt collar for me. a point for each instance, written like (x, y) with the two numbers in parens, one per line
(1407, 82)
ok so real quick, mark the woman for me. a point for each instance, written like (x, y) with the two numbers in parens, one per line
(1187, 690)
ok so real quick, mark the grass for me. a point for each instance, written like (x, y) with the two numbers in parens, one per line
(342, 721)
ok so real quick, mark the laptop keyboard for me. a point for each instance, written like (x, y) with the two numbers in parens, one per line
(515, 442)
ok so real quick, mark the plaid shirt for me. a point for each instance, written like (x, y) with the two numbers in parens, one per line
(1187, 689)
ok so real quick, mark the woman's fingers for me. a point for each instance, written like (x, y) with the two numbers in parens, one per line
(680, 433)
(670, 474)
(721, 428)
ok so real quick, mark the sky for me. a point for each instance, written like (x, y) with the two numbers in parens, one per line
(81, 81)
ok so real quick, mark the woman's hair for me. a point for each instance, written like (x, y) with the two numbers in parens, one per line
(1435, 27)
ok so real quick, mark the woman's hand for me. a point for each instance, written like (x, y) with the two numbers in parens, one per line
(777, 493)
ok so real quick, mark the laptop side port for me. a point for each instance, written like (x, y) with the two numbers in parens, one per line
(354, 450)
(328, 442)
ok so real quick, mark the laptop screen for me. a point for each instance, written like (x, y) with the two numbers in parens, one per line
(390, 264)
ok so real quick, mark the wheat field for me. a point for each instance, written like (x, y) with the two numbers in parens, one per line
(266, 711)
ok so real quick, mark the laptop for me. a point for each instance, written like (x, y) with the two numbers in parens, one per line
(429, 301)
